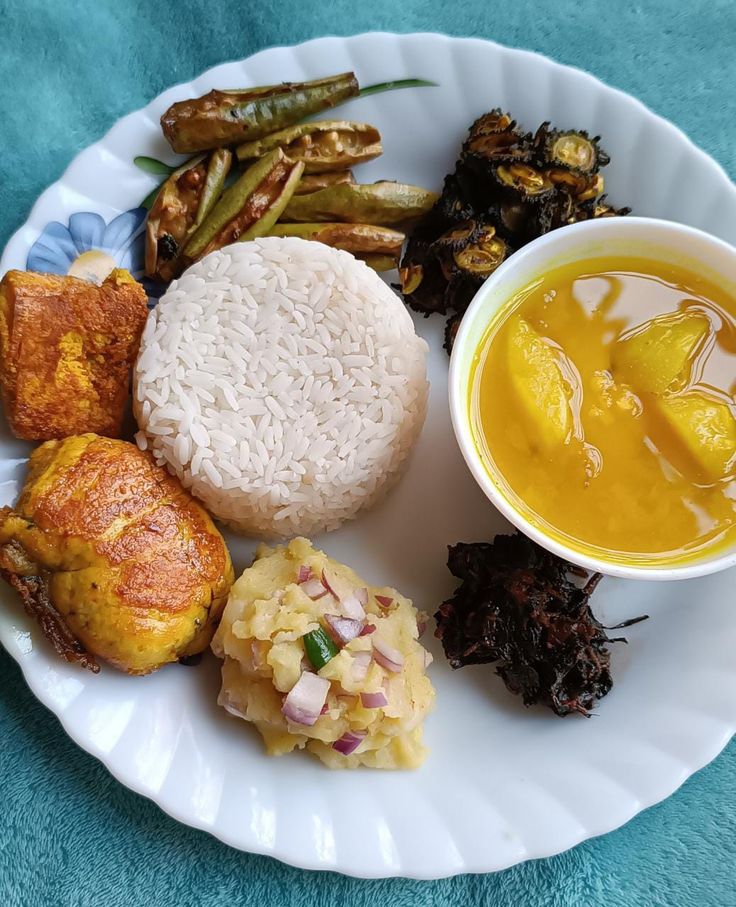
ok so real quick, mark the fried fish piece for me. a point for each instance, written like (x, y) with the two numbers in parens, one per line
(66, 350)
(113, 557)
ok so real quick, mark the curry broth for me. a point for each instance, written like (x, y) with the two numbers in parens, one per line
(616, 445)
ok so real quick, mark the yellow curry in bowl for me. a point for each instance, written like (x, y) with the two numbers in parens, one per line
(603, 397)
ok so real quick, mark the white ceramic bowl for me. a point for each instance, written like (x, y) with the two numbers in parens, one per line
(642, 237)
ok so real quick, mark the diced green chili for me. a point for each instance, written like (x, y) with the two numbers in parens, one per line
(319, 648)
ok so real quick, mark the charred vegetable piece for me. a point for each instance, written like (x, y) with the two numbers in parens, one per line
(518, 185)
(451, 328)
(323, 145)
(373, 244)
(382, 203)
(184, 201)
(517, 607)
(229, 117)
(248, 208)
(527, 181)
(313, 182)
(571, 150)
(495, 137)
(472, 248)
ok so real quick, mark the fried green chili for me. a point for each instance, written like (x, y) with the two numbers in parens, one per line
(229, 117)
(183, 202)
(248, 208)
(381, 203)
(323, 145)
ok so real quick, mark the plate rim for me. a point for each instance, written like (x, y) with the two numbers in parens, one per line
(687, 769)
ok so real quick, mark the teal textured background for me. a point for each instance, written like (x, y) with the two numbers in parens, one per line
(69, 833)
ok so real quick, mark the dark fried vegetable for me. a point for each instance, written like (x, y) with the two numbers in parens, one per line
(248, 208)
(526, 181)
(518, 608)
(375, 245)
(323, 145)
(383, 203)
(451, 328)
(313, 182)
(183, 202)
(495, 137)
(229, 117)
(513, 187)
(570, 150)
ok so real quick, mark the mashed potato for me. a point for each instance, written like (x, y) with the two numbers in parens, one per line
(361, 699)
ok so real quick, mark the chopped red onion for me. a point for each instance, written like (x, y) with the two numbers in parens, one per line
(352, 607)
(349, 598)
(374, 700)
(349, 742)
(314, 588)
(344, 628)
(385, 601)
(368, 629)
(304, 703)
(362, 596)
(324, 709)
(361, 663)
(305, 573)
(387, 656)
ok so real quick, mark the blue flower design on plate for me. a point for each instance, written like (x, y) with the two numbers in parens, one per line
(59, 247)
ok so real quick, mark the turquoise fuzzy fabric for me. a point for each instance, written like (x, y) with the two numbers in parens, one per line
(69, 833)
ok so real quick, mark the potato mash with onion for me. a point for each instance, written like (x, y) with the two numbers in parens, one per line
(315, 658)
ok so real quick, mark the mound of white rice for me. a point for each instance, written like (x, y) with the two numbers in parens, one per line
(283, 382)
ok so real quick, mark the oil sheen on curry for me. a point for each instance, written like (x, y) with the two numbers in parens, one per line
(604, 396)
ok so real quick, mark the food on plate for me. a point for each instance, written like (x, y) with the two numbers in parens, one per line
(508, 188)
(315, 658)
(378, 247)
(248, 208)
(229, 117)
(322, 145)
(112, 557)
(385, 203)
(602, 398)
(312, 182)
(182, 204)
(283, 382)
(659, 355)
(517, 607)
(704, 429)
(66, 349)
(307, 161)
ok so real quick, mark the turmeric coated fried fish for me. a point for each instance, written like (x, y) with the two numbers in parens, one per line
(112, 557)
(66, 349)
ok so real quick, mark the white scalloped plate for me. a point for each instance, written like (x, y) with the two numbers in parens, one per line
(502, 784)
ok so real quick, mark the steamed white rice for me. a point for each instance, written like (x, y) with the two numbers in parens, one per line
(283, 382)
